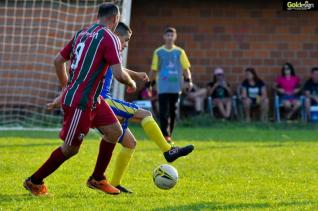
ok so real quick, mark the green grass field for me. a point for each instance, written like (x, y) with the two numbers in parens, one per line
(234, 167)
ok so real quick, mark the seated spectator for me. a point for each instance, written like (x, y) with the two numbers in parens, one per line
(288, 87)
(221, 93)
(197, 96)
(254, 94)
(149, 92)
(311, 91)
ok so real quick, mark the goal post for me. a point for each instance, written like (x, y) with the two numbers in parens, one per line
(32, 33)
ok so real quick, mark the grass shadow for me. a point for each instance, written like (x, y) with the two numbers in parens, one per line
(6, 198)
(235, 206)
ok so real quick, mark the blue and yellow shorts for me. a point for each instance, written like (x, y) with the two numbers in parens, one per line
(122, 109)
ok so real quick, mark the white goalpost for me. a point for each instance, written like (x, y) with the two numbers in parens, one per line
(32, 33)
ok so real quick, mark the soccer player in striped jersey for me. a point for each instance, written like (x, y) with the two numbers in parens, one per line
(125, 111)
(91, 52)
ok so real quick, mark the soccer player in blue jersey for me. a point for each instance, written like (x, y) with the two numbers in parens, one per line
(126, 111)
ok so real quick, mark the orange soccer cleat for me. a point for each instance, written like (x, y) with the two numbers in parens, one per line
(102, 185)
(34, 189)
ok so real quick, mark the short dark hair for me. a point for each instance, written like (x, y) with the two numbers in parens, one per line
(314, 69)
(170, 29)
(123, 29)
(290, 66)
(107, 10)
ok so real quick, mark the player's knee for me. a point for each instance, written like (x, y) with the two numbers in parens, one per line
(130, 144)
(141, 113)
(114, 135)
(69, 151)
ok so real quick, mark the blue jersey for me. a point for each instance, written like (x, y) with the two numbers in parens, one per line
(169, 63)
(106, 91)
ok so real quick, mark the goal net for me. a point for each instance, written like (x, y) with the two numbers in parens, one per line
(32, 33)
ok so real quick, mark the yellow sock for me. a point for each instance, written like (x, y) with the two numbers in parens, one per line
(121, 165)
(153, 131)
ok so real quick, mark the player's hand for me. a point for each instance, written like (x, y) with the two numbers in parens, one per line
(143, 76)
(56, 103)
(132, 88)
(187, 87)
(190, 85)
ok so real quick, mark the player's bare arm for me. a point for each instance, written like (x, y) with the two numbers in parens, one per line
(188, 78)
(123, 77)
(60, 69)
(137, 76)
(152, 75)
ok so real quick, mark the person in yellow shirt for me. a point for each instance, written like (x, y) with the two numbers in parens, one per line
(170, 68)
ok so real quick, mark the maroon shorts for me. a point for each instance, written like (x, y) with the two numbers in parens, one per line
(77, 122)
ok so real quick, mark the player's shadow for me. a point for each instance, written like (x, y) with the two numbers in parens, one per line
(235, 206)
(14, 197)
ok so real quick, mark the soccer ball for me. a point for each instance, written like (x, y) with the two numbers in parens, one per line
(165, 176)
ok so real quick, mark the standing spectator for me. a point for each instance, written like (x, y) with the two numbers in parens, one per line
(311, 91)
(221, 93)
(288, 87)
(170, 63)
(254, 94)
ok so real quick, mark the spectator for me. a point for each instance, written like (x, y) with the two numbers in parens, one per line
(311, 91)
(288, 87)
(221, 93)
(149, 92)
(197, 96)
(254, 94)
(170, 63)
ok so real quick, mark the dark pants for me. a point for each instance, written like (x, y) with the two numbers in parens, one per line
(167, 112)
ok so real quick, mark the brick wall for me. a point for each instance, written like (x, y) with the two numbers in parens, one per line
(233, 35)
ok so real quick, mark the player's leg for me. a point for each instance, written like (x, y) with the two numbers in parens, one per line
(107, 123)
(153, 131)
(128, 110)
(75, 127)
(164, 114)
(174, 98)
(123, 158)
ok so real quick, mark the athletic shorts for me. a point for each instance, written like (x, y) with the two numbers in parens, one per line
(122, 109)
(77, 122)
(289, 98)
(313, 103)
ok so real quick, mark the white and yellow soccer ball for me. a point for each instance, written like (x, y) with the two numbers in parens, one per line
(165, 176)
